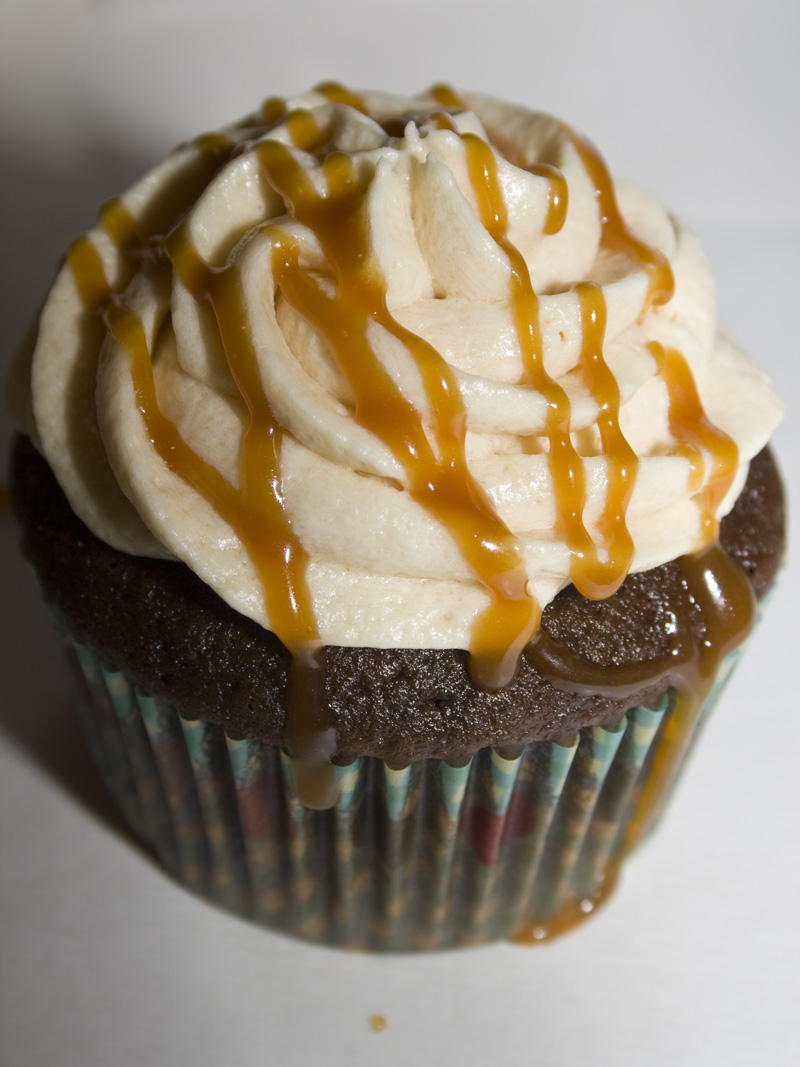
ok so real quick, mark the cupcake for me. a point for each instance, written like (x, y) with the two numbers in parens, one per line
(402, 508)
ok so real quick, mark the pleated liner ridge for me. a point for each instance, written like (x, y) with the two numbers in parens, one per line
(426, 857)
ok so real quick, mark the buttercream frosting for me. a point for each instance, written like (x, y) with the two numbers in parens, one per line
(378, 368)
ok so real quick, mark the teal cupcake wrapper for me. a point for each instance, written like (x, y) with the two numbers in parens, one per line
(428, 856)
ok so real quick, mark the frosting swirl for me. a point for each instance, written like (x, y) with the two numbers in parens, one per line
(392, 371)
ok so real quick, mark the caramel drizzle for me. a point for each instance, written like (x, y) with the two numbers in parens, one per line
(557, 196)
(438, 477)
(446, 95)
(256, 506)
(616, 235)
(275, 109)
(716, 584)
(340, 94)
(725, 604)
(697, 436)
(722, 592)
(272, 111)
(255, 511)
(593, 577)
(260, 520)
(557, 191)
(126, 234)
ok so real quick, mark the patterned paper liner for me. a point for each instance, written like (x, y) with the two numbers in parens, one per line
(426, 857)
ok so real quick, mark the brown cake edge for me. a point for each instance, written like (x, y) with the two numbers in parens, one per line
(176, 639)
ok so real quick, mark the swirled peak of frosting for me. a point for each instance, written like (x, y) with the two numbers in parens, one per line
(392, 371)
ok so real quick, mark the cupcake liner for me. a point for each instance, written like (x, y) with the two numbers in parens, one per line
(428, 856)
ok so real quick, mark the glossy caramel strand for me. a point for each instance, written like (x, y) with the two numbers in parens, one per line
(87, 270)
(340, 94)
(255, 510)
(447, 96)
(724, 604)
(616, 235)
(557, 195)
(557, 190)
(436, 470)
(309, 733)
(697, 438)
(592, 576)
(251, 510)
(135, 243)
(272, 111)
(261, 522)
(726, 601)
(600, 578)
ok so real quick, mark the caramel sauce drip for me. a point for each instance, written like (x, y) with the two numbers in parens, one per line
(447, 96)
(256, 506)
(593, 577)
(716, 583)
(726, 602)
(616, 234)
(255, 509)
(557, 195)
(622, 461)
(257, 513)
(723, 598)
(557, 191)
(260, 520)
(87, 270)
(431, 456)
(697, 437)
(535, 932)
(340, 94)
(272, 111)
(134, 245)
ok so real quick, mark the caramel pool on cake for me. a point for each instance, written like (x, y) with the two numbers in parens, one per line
(403, 508)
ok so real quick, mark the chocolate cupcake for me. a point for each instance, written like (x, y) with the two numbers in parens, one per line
(381, 448)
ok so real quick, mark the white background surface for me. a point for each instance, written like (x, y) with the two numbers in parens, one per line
(695, 960)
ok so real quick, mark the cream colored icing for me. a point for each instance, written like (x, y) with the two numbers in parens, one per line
(383, 571)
